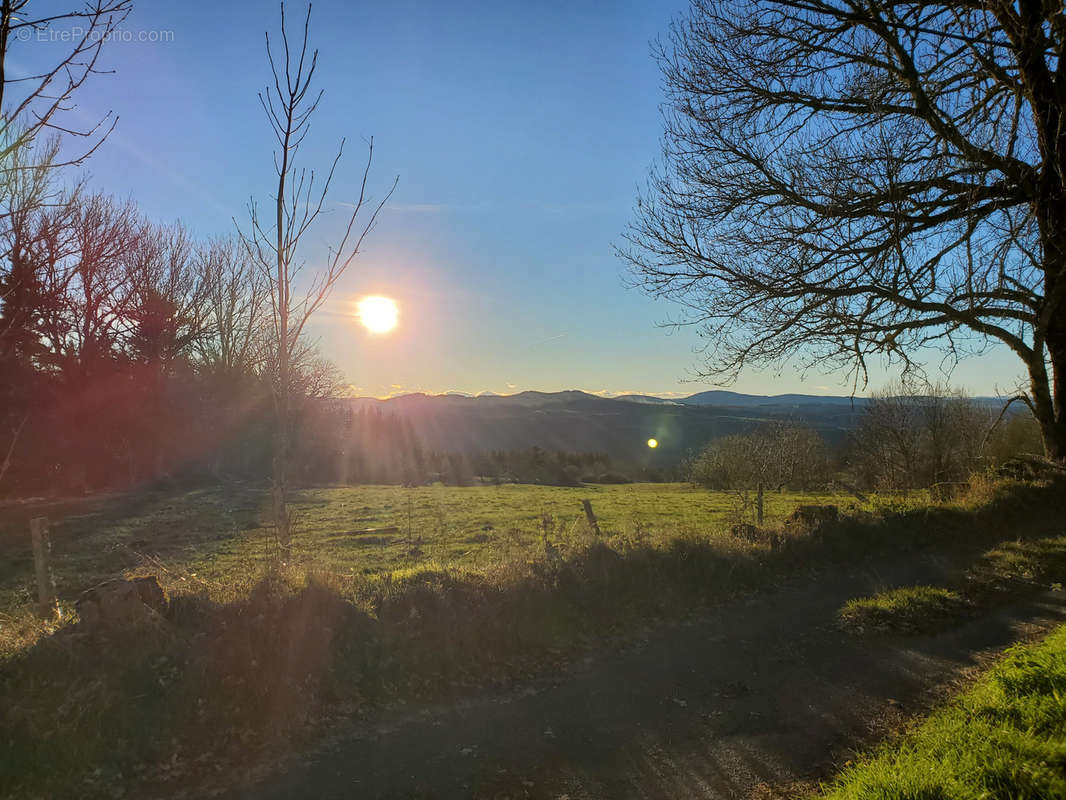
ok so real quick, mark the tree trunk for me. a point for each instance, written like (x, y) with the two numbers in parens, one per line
(279, 493)
(282, 518)
(5, 465)
(1050, 211)
(1049, 403)
(281, 434)
(1049, 391)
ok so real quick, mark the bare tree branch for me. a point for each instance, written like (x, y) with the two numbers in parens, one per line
(848, 181)
(34, 104)
(289, 104)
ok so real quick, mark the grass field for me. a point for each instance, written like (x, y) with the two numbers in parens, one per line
(1005, 738)
(253, 654)
(213, 537)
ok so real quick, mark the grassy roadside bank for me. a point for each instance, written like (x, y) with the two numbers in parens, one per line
(222, 679)
(1004, 738)
(1008, 570)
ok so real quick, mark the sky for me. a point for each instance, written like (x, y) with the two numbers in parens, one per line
(520, 132)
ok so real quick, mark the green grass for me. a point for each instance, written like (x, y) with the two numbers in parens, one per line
(217, 539)
(907, 608)
(1020, 566)
(1008, 569)
(1005, 739)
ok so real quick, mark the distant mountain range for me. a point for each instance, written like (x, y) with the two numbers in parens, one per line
(619, 426)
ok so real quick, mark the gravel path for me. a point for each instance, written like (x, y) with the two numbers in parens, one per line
(763, 691)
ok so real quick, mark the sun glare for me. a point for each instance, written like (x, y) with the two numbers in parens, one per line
(378, 314)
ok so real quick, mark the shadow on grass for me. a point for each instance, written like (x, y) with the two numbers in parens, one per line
(217, 682)
(97, 538)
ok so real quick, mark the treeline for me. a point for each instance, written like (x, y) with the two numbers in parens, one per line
(551, 467)
(338, 444)
(129, 351)
(905, 438)
(912, 439)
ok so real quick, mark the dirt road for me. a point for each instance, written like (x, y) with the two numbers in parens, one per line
(765, 690)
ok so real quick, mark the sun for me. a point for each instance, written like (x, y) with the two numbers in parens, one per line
(653, 443)
(378, 314)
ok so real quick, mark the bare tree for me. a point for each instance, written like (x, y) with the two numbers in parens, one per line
(23, 190)
(85, 273)
(63, 300)
(42, 101)
(773, 456)
(912, 436)
(234, 300)
(801, 457)
(274, 244)
(168, 313)
(37, 103)
(311, 375)
(853, 179)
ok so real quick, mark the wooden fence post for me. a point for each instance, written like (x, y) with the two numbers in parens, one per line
(593, 522)
(758, 505)
(42, 561)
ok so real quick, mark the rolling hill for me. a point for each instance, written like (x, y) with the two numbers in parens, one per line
(619, 427)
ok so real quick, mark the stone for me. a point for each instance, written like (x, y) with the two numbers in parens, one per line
(122, 601)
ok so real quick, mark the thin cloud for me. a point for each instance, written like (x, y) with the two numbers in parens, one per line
(611, 393)
(549, 339)
(431, 208)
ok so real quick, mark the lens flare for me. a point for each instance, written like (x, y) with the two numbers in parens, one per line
(378, 314)
(653, 443)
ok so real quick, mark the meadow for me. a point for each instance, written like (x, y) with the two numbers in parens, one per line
(211, 540)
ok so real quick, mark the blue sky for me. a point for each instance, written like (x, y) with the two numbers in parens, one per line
(520, 132)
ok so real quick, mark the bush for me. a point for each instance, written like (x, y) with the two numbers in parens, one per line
(911, 437)
(606, 477)
(774, 456)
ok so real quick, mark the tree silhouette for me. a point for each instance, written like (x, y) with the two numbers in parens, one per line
(853, 179)
(274, 243)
